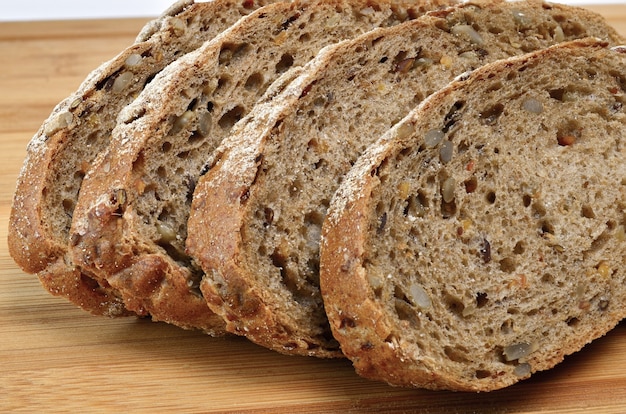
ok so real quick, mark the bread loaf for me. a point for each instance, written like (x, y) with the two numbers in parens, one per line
(129, 227)
(482, 238)
(257, 213)
(78, 129)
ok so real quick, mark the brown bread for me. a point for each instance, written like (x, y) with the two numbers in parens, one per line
(257, 213)
(482, 238)
(78, 129)
(129, 227)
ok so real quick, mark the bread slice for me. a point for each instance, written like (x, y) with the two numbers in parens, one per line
(129, 228)
(79, 128)
(482, 238)
(257, 213)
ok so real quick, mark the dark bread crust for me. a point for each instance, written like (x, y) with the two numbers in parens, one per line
(402, 350)
(79, 127)
(283, 162)
(130, 224)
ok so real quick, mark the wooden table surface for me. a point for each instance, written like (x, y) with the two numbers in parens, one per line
(55, 357)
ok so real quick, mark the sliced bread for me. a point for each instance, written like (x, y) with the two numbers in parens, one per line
(257, 214)
(78, 129)
(482, 238)
(129, 226)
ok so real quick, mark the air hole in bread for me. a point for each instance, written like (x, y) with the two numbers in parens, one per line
(463, 147)
(591, 73)
(456, 354)
(195, 136)
(481, 300)
(557, 94)
(268, 217)
(147, 53)
(538, 209)
(190, 183)
(313, 268)
(285, 62)
(587, 211)
(295, 188)
(183, 155)
(418, 98)
(508, 265)
(482, 374)
(92, 138)
(107, 83)
(347, 323)
(453, 116)
(68, 206)
(232, 51)
(603, 304)
(230, 118)
(572, 321)
(507, 326)
(611, 225)
(491, 197)
(288, 276)
(599, 242)
(164, 215)
(572, 29)
(167, 146)
(526, 200)
(382, 222)
(454, 304)
(254, 81)
(313, 145)
(223, 82)
(135, 116)
(161, 172)
(314, 218)
(547, 227)
(495, 86)
(417, 206)
(519, 248)
(404, 153)
(380, 208)
(490, 115)
(406, 313)
(391, 339)
(192, 104)
(182, 122)
(485, 251)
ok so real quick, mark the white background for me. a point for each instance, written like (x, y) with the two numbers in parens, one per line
(11, 10)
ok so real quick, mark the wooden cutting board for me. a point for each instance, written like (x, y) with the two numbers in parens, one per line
(55, 357)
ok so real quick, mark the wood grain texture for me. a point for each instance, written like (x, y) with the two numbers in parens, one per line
(57, 358)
